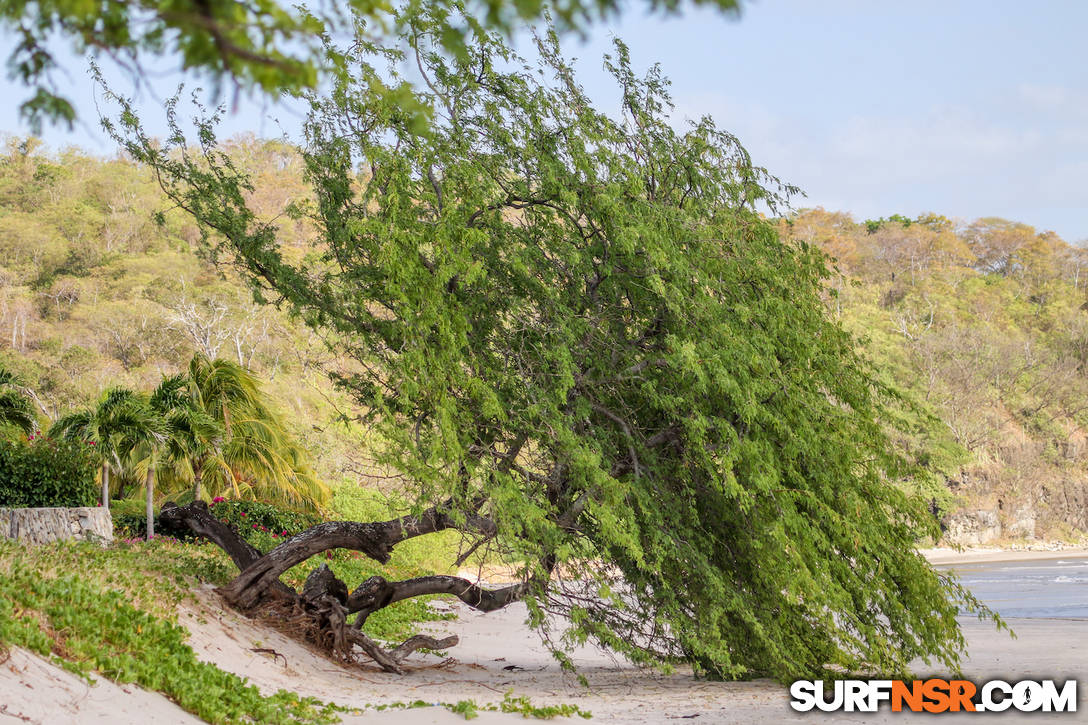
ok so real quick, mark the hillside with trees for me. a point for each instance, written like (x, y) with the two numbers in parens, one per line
(104, 284)
(986, 324)
(103, 287)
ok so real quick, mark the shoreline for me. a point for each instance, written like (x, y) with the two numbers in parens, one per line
(943, 556)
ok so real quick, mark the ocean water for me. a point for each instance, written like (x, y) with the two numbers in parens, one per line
(1041, 589)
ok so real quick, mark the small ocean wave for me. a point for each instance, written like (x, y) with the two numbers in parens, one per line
(1057, 566)
(1031, 589)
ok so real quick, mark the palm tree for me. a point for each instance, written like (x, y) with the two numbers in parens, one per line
(256, 455)
(209, 429)
(16, 408)
(120, 418)
(182, 430)
(224, 390)
(146, 443)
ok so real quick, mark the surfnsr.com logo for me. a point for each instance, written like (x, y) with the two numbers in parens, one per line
(934, 695)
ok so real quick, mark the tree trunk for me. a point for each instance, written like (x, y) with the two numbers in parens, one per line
(105, 486)
(376, 540)
(319, 613)
(198, 477)
(248, 588)
(198, 519)
(150, 503)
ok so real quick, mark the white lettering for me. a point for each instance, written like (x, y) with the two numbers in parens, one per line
(1064, 701)
(854, 696)
(879, 691)
(836, 700)
(804, 695)
(987, 696)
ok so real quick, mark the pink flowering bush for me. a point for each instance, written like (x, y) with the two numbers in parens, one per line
(263, 525)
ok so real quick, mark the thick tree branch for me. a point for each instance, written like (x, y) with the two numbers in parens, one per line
(377, 593)
(199, 519)
(484, 600)
(376, 540)
(201, 522)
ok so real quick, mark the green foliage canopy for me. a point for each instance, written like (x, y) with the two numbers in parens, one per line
(580, 327)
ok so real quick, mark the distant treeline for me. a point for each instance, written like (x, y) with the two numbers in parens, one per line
(986, 322)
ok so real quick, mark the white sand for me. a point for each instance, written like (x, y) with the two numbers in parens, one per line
(982, 555)
(475, 669)
(33, 690)
(618, 693)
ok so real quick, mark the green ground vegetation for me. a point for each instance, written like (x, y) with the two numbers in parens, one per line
(116, 617)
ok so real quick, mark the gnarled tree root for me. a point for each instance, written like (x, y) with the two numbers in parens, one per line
(319, 613)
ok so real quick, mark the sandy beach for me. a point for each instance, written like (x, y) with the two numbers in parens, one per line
(498, 654)
(946, 556)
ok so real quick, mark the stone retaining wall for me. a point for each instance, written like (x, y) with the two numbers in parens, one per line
(42, 526)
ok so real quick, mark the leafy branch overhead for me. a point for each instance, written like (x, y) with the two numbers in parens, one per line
(259, 45)
(585, 348)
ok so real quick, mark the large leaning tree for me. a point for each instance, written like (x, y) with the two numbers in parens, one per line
(585, 347)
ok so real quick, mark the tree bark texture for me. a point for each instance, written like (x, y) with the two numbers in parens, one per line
(320, 611)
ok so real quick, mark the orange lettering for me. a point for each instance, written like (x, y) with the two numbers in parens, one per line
(911, 695)
(936, 692)
(961, 692)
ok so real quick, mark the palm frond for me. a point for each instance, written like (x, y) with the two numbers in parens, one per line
(16, 408)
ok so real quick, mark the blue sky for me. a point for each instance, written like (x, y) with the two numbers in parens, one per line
(963, 108)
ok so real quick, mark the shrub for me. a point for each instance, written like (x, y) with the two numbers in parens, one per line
(260, 516)
(41, 472)
(353, 502)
